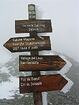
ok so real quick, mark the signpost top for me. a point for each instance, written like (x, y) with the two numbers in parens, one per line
(31, 11)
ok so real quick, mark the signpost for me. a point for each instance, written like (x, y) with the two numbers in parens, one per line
(40, 63)
(36, 83)
(21, 44)
(42, 83)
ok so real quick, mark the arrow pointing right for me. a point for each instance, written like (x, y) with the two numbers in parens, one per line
(40, 63)
(42, 83)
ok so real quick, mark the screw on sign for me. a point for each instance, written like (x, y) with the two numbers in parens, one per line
(21, 44)
(42, 83)
(40, 63)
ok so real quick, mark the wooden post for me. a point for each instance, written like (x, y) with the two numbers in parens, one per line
(32, 16)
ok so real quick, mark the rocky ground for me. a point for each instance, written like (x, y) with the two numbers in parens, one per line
(54, 98)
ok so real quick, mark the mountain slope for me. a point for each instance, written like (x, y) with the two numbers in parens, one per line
(9, 92)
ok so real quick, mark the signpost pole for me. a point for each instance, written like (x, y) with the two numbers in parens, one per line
(32, 16)
(44, 94)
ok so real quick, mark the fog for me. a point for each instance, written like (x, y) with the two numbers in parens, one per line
(64, 15)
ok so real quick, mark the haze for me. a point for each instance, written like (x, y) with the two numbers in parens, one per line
(64, 15)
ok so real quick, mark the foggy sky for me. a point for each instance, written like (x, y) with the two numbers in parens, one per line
(64, 15)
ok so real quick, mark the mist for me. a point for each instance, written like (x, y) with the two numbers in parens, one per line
(63, 14)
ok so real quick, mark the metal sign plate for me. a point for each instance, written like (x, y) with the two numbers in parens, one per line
(28, 26)
(22, 44)
(40, 63)
(42, 83)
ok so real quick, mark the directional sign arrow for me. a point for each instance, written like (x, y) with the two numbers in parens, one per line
(42, 83)
(28, 26)
(21, 44)
(40, 63)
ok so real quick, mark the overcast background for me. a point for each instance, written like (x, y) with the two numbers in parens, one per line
(64, 15)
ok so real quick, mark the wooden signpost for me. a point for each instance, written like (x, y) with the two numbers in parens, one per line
(36, 83)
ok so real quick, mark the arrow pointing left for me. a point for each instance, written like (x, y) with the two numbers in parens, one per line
(21, 44)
